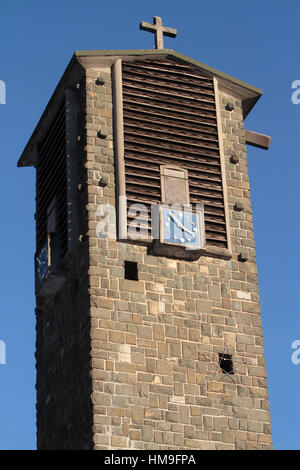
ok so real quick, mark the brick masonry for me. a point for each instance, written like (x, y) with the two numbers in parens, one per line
(63, 325)
(134, 364)
(155, 342)
(64, 411)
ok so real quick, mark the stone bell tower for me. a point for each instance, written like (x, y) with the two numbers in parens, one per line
(148, 322)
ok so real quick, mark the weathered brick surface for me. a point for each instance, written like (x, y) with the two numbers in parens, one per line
(134, 364)
(64, 386)
(63, 347)
(159, 337)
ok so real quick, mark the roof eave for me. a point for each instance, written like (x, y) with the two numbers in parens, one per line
(29, 154)
(248, 94)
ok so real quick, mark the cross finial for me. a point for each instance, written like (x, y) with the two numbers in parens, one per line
(159, 31)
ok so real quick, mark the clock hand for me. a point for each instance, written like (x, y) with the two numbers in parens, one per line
(179, 224)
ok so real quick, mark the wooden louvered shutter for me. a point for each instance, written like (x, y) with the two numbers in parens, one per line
(52, 183)
(170, 118)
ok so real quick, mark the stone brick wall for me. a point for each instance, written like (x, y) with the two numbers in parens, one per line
(63, 324)
(64, 412)
(156, 382)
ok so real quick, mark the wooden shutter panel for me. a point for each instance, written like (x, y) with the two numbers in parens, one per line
(52, 182)
(170, 119)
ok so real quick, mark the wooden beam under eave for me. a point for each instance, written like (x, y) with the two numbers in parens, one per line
(255, 139)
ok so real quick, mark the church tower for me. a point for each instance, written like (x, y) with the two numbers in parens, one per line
(148, 321)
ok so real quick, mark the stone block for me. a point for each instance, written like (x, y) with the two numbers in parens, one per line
(132, 286)
(118, 441)
(137, 414)
(164, 367)
(147, 433)
(189, 350)
(204, 306)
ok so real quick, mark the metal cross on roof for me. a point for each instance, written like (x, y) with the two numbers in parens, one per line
(159, 31)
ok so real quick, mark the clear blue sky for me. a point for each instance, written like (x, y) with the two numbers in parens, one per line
(257, 42)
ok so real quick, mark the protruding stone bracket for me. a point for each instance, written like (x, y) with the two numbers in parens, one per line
(239, 206)
(234, 158)
(99, 81)
(103, 181)
(243, 255)
(101, 135)
(229, 106)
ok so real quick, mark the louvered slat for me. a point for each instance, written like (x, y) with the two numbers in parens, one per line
(170, 119)
(52, 181)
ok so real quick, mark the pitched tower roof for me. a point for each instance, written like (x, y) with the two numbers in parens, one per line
(81, 60)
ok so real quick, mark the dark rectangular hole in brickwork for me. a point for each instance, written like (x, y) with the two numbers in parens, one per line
(131, 270)
(225, 363)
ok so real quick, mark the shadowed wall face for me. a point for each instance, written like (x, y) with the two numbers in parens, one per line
(64, 414)
(64, 410)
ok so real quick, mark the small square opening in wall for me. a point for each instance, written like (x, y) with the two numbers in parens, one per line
(226, 363)
(131, 270)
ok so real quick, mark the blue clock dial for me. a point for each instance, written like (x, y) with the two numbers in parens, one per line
(181, 228)
(42, 263)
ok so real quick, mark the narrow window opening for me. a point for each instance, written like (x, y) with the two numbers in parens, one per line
(131, 270)
(226, 363)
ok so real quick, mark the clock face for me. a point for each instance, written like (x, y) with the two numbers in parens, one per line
(181, 228)
(42, 263)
